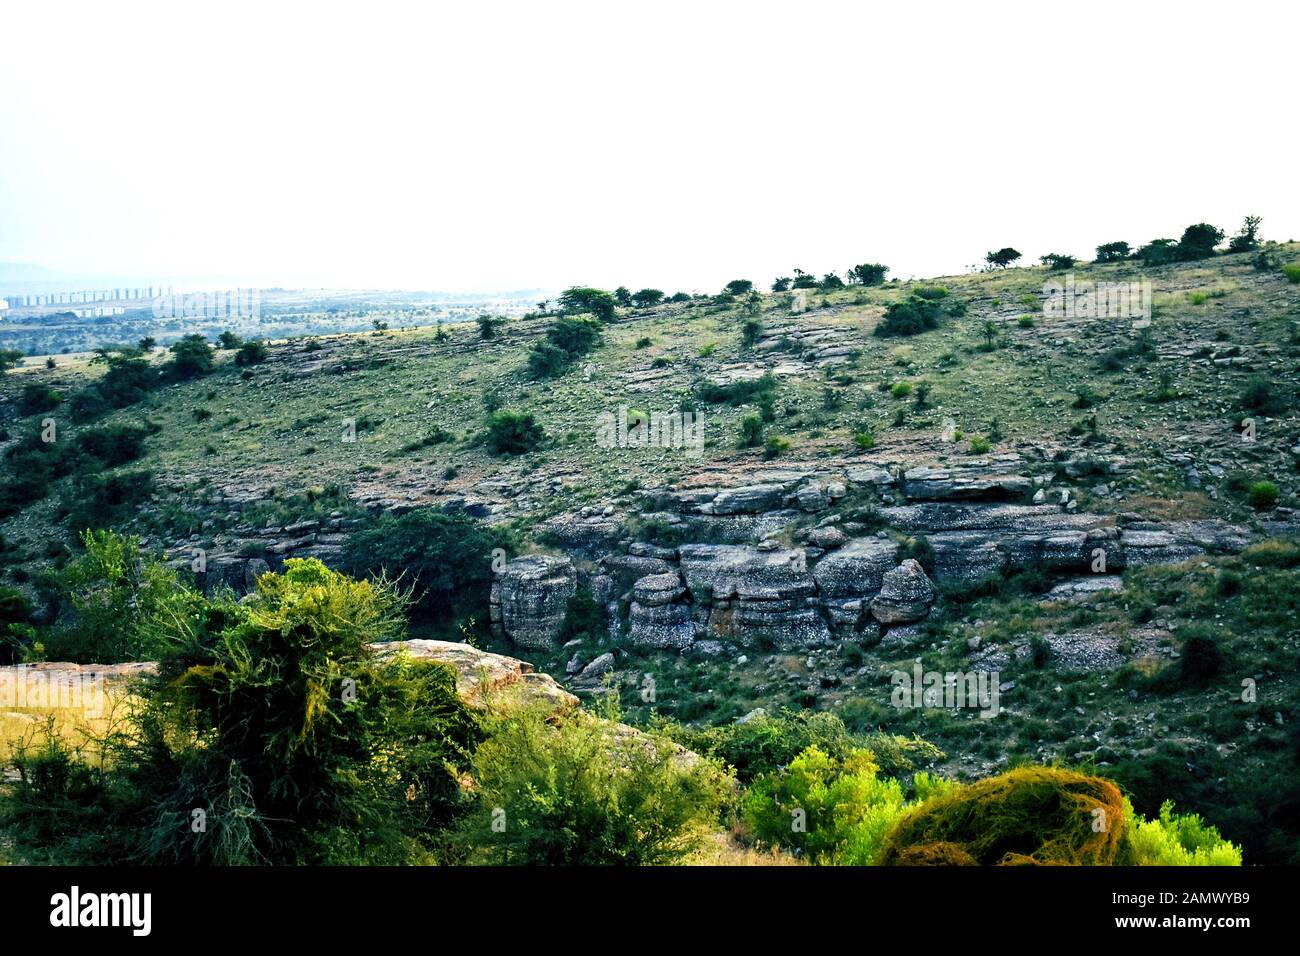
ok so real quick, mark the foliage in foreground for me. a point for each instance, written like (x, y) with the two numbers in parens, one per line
(294, 741)
(587, 792)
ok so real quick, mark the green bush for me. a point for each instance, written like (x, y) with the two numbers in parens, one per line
(738, 393)
(112, 600)
(582, 792)
(1292, 271)
(1169, 840)
(751, 431)
(251, 353)
(445, 559)
(301, 744)
(1037, 815)
(513, 433)
(900, 389)
(911, 317)
(36, 398)
(1263, 495)
(191, 358)
(101, 501)
(829, 810)
(775, 447)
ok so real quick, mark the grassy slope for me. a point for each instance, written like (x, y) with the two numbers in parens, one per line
(278, 433)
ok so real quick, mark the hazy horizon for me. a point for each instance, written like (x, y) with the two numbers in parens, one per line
(303, 148)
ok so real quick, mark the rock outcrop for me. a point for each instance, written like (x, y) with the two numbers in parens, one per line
(530, 597)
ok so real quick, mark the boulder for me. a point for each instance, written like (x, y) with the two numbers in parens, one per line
(905, 595)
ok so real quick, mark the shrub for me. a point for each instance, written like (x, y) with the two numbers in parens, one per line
(191, 358)
(1038, 815)
(900, 389)
(445, 559)
(1292, 271)
(750, 333)
(829, 810)
(569, 338)
(1198, 241)
(581, 792)
(36, 398)
(979, 445)
(1169, 840)
(1259, 396)
(1201, 658)
(513, 433)
(776, 446)
(112, 445)
(911, 317)
(1263, 495)
(1112, 252)
(646, 298)
(251, 353)
(865, 440)
(251, 718)
(487, 326)
(1057, 261)
(739, 392)
(738, 287)
(751, 431)
(1248, 238)
(1158, 252)
(100, 501)
(112, 601)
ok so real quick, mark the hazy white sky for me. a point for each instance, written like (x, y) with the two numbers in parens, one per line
(483, 146)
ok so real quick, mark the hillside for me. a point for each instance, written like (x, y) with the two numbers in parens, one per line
(937, 499)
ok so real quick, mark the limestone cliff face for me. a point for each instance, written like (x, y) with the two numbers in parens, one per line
(788, 569)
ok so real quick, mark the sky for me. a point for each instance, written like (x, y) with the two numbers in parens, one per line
(504, 145)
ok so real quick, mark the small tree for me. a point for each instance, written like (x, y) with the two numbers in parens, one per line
(1198, 241)
(781, 284)
(990, 332)
(751, 431)
(737, 287)
(1057, 261)
(1112, 252)
(9, 358)
(1158, 252)
(1002, 258)
(251, 353)
(1248, 239)
(586, 299)
(869, 273)
(647, 298)
(622, 297)
(487, 326)
(229, 340)
(191, 357)
(750, 333)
